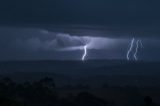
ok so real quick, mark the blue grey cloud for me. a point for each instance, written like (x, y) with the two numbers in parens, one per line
(37, 43)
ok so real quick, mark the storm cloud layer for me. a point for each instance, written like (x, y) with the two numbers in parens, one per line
(39, 39)
(41, 44)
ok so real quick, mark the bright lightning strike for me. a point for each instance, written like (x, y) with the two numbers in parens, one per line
(137, 46)
(85, 53)
(130, 49)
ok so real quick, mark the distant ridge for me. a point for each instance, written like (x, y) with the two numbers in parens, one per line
(75, 66)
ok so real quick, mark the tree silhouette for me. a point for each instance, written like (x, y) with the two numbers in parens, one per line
(148, 101)
(87, 99)
(44, 93)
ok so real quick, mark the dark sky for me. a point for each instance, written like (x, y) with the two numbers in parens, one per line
(140, 16)
(101, 12)
(35, 29)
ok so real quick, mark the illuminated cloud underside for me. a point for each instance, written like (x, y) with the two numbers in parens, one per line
(44, 40)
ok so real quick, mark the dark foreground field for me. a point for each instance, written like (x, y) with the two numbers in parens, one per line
(77, 83)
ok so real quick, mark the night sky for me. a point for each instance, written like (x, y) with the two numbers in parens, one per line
(59, 29)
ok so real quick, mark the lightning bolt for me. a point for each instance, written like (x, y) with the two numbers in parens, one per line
(137, 47)
(130, 49)
(85, 53)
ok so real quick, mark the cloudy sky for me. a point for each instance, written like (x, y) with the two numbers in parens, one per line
(59, 29)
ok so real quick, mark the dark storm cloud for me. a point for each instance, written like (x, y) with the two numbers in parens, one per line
(108, 31)
(96, 30)
(119, 17)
